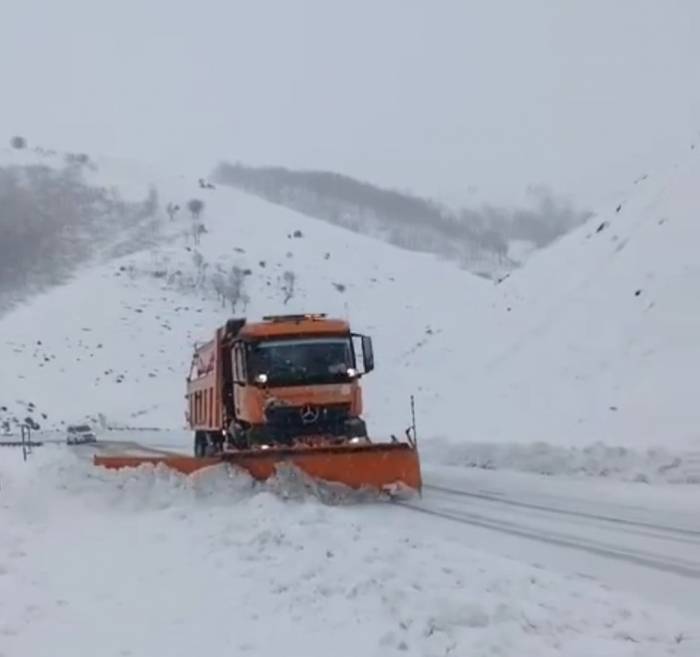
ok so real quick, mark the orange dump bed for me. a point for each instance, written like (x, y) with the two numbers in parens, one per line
(380, 465)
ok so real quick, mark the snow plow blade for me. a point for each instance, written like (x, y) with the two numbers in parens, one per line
(388, 467)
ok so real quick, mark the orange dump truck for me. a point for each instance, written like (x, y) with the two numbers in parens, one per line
(282, 381)
(286, 389)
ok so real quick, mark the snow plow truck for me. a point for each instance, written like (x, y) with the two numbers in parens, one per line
(286, 390)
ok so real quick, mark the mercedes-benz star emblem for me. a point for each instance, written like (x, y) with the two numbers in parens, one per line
(308, 414)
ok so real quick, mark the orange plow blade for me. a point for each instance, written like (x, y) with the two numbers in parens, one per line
(382, 466)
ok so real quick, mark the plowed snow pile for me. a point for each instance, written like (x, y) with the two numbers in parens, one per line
(150, 563)
(596, 460)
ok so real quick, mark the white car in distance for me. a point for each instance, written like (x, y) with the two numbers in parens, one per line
(79, 434)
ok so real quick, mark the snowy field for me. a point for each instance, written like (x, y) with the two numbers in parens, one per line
(150, 563)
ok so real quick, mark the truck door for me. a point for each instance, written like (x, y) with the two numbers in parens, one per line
(239, 376)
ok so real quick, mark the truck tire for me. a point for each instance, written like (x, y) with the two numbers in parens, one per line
(257, 435)
(356, 428)
(239, 437)
(200, 444)
(216, 442)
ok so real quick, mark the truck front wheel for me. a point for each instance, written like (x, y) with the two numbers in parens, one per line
(355, 428)
(239, 436)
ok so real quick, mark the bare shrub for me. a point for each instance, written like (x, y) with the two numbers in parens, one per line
(235, 283)
(18, 142)
(287, 285)
(195, 206)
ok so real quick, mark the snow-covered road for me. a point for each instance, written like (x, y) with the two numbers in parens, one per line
(147, 562)
(630, 536)
(642, 545)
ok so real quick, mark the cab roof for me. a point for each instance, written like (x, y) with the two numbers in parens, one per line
(294, 325)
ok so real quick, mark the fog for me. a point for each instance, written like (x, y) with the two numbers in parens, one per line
(461, 101)
(479, 239)
(52, 221)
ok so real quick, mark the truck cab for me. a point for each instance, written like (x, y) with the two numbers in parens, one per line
(284, 380)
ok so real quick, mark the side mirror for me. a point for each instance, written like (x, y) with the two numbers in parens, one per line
(367, 353)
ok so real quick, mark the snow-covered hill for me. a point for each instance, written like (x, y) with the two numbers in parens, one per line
(117, 340)
(61, 211)
(594, 341)
(606, 346)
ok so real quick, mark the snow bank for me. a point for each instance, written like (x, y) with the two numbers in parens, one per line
(70, 470)
(596, 460)
(147, 563)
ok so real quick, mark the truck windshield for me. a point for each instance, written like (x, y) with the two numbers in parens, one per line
(302, 361)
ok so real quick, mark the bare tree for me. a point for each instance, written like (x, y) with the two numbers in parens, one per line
(77, 159)
(287, 286)
(197, 259)
(195, 206)
(234, 287)
(18, 142)
(200, 265)
(218, 282)
(172, 209)
(198, 229)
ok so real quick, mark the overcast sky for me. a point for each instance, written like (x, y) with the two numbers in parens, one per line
(441, 97)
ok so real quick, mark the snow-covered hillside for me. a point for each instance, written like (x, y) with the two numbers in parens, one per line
(60, 211)
(606, 346)
(594, 341)
(117, 340)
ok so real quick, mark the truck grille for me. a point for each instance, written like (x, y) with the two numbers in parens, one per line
(307, 420)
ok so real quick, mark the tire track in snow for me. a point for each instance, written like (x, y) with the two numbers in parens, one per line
(682, 534)
(678, 565)
(123, 447)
